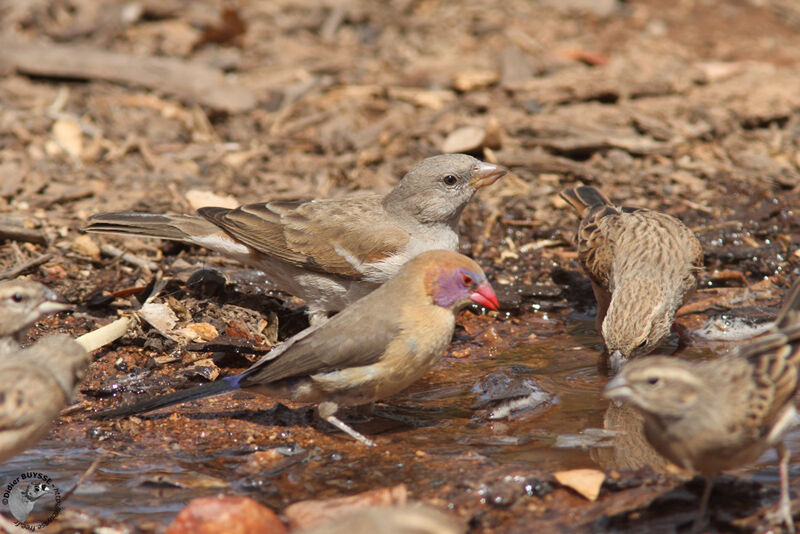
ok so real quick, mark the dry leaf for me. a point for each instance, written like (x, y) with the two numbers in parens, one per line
(306, 513)
(586, 482)
(199, 332)
(160, 316)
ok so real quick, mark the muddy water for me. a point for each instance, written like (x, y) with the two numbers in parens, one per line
(150, 489)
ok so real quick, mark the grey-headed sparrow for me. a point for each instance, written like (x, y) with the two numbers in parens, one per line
(330, 252)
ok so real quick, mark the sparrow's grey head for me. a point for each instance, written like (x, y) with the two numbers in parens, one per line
(23, 302)
(638, 319)
(660, 387)
(436, 189)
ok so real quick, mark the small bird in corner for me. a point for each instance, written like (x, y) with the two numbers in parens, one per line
(36, 383)
(24, 302)
(371, 350)
(329, 252)
(642, 264)
(710, 416)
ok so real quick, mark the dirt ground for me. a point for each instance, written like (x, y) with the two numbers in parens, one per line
(690, 107)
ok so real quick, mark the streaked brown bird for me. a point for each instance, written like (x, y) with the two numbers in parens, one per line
(710, 416)
(330, 252)
(371, 350)
(23, 303)
(642, 264)
(36, 383)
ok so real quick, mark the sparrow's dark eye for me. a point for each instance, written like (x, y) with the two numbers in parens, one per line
(466, 280)
(450, 180)
(17, 297)
(653, 380)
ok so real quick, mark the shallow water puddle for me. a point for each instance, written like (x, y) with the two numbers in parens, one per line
(435, 420)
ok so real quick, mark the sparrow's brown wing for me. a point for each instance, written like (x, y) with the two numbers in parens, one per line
(594, 239)
(357, 336)
(775, 358)
(331, 236)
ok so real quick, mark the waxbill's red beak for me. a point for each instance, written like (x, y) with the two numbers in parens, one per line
(484, 295)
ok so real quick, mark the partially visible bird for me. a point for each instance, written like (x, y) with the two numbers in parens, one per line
(710, 416)
(23, 303)
(36, 383)
(371, 350)
(642, 264)
(329, 252)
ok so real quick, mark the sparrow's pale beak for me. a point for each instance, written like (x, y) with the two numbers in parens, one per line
(616, 360)
(487, 174)
(484, 295)
(618, 389)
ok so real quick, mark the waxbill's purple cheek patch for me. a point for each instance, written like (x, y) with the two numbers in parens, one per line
(459, 286)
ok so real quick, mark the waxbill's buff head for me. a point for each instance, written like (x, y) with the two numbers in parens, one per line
(436, 189)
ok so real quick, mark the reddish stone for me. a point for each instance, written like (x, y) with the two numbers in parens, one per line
(225, 515)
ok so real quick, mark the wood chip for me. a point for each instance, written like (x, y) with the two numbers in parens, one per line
(189, 81)
(586, 482)
(85, 246)
(19, 233)
(469, 80)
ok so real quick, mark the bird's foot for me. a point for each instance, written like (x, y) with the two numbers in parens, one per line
(781, 515)
(338, 423)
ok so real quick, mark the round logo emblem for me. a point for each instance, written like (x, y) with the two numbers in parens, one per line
(32, 499)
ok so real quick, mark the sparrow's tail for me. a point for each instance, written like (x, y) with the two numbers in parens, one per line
(225, 385)
(185, 228)
(584, 197)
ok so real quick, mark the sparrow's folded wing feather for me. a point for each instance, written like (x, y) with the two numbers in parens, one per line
(595, 241)
(357, 336)
(775, 358)
(324, 236)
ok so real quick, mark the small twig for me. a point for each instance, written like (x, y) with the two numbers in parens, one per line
(77, 407)
(105, 334)
(19, 233)
(89, 472)
(19, 269)
(114, 252)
